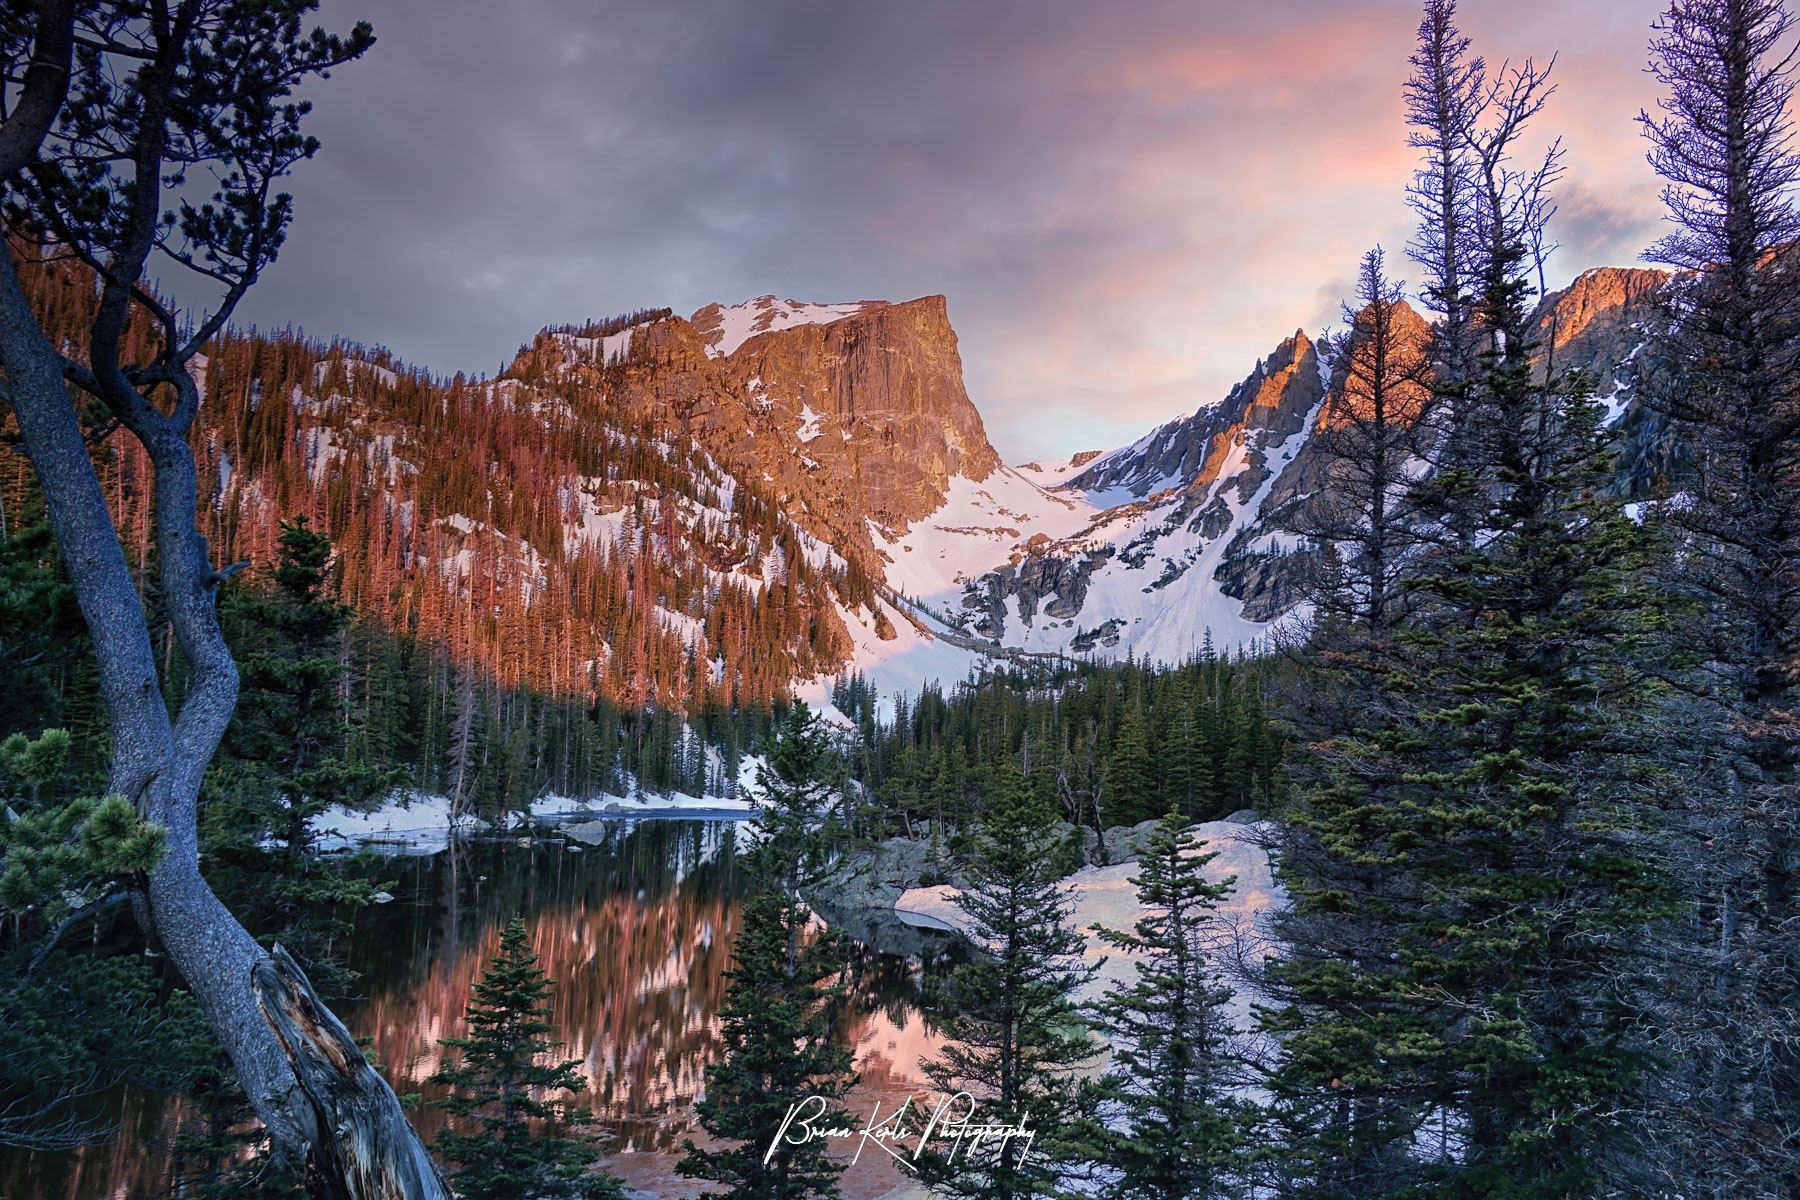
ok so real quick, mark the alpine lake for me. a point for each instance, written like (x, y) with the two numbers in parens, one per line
(635, 927)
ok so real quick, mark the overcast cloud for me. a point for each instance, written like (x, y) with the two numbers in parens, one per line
(1127, 203)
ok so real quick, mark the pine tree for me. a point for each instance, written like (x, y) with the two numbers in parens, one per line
(780, 1052)
(286, 759)
(781, 1049)
(71, 1021)
(1014, 1028)
(1131, 783)
(1466, 861)
(1466, 867)
(1725, 383)
(1373, 429)
(797, 814)
(1445, 96)
(523, 1141)
(286, 755)
(1172, 1131)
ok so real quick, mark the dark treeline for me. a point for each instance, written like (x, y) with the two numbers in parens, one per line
(400, 704)
(1108, 745)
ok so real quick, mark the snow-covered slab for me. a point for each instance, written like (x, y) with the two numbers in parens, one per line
(1054, 472)
(1105, 896)
(725, 329)
(408, 823)
(903, 663)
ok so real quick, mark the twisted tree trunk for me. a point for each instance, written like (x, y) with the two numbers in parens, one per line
(362, 1147)
(366, 1150)
(353, 1136)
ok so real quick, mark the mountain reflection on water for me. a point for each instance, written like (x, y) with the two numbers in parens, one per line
(637, 934)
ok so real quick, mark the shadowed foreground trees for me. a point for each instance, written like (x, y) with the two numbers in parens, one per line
(1016, 1042)
(1175, 1130)
(123, 112)
(782, 1047)
(1726, 1120)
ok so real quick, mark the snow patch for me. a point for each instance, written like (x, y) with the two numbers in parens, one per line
(1106, 896)
(765, 314)
(809, 423)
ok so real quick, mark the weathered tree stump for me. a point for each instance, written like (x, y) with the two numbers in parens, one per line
(360, 1146)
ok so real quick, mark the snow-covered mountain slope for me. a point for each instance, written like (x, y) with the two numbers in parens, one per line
(1116, 552)
(673, 511)
(1179, 537)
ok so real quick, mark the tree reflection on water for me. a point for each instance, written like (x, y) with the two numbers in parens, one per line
(636, 931)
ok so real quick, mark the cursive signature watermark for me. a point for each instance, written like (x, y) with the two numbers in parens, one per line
(951, 1119)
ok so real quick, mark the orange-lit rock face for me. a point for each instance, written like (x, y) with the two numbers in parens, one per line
(1271, 404)
(852, 412)
(893, 423)
(1280, 396)
(1598, 319)
(1387, 355)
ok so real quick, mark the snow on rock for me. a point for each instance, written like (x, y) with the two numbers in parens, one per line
(905, 662)
(1105, 896)
(1050, 473)
(725, 329)
(408, 823)
(976, 529)
(809, 423)
(614, 347)
(419, 822)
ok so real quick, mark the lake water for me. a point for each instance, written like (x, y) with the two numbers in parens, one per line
(637, 934)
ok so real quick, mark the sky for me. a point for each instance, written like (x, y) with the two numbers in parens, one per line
(1127, 203)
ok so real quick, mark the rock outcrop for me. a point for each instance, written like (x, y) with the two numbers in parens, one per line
(1598, 321)
(876, 400)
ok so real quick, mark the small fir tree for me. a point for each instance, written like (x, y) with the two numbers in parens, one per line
(286, 759)
(1172, 1131)
(286, 756)
(780, 1051)
(1131, 779)
(523, 1143)
(780, 1047)
(799, 794)
(1016, 1037)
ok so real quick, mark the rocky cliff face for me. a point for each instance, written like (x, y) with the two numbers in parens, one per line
(851, 412)
(1597, 321)
(875, 405)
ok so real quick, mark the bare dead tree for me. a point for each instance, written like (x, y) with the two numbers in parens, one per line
(111, 108)
(1477, 205)
(1512, 201)
(1445, 96)
(1081, 783)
